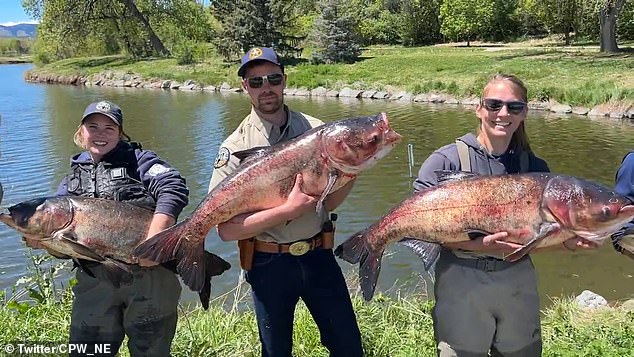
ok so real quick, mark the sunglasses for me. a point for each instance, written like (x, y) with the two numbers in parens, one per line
(274, 79)
(495, 105)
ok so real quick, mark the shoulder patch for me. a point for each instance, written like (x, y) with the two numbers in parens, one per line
(223, 157)
(157, 169)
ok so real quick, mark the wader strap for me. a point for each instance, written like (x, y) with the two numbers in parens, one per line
(463, 155)
(465, 161)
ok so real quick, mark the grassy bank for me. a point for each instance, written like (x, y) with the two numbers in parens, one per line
(390, 327)
(18, 59)
(572, 75)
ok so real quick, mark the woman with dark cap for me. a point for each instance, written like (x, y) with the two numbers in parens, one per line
(112, 167)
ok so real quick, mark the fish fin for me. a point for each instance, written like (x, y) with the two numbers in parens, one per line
(545, 230)
(176, 243)
(80, 249)
(251, 154)
(476, 233)
(428, 252)
(117, 272)
(80, 263)
(444, 176)
(369, 269)
(332, 179)
(355, 250)
(214, 266)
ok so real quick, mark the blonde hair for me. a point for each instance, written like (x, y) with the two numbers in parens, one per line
(519, 140)
(78, 138)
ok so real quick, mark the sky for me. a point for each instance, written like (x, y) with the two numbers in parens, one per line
(11, 13)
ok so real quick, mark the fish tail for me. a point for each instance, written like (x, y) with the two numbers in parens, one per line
(356, 250)
(176, 243)
(214, 266)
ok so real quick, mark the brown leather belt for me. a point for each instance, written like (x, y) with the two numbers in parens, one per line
(296, 248)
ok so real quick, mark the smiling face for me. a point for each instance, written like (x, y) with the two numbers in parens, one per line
(498, 126)
(100, 135)
(267, 99)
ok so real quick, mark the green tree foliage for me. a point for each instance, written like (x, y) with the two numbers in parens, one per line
(505, 24)
(420, 22)
(138, 27)
(465, 19)
(334, 38)
(378, 22)
(528, 19)
(244, 24)
(625, 23)
(560, 16)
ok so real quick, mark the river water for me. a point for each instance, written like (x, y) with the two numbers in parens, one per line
(186, 129)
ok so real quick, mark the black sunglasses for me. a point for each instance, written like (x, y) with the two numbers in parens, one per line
(274, 79)
(495, 105)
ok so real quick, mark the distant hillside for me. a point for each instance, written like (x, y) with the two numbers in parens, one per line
(19, 30)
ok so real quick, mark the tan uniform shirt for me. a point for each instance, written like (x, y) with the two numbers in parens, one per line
(252, 132)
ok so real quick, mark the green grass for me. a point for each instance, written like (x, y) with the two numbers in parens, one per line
(390, 327)
(15, 59)
(572, 75)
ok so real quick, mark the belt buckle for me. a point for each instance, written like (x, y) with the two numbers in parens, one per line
(299, 248)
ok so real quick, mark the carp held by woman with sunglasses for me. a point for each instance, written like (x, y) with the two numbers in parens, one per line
(502, 315)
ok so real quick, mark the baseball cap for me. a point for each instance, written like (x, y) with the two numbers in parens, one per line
(259, 54)
(106, 108)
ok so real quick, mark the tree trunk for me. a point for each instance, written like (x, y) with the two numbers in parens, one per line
(607, 19)
(155, 41)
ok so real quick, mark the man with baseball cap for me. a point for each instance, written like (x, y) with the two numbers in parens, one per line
(285, 251)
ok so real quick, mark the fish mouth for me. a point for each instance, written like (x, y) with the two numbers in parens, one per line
(389, 135)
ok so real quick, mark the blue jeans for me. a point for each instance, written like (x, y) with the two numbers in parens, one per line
(279, 280)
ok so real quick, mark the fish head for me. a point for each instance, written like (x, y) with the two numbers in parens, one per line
(39, 217)
(353, 145)
(590, 210)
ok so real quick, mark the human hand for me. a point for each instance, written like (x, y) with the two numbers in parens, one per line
(495, 244)
(578, 242)
(298, 202)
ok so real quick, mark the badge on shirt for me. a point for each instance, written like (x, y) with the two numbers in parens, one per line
(157, 169)
(223, 158)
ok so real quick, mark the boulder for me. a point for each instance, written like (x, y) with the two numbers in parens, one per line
(590, 300)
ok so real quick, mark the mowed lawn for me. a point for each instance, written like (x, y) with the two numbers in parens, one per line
(572, 75)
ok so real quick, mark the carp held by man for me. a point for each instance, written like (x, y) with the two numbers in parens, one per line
(328, 157)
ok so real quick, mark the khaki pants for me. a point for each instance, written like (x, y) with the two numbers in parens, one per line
(478, 310)
(145, 310)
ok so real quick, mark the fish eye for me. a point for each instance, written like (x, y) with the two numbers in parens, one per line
(374, 139)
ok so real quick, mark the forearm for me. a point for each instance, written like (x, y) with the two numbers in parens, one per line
(160, 221)
(248, 225)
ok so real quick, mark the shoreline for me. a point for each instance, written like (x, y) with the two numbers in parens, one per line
(618, 110)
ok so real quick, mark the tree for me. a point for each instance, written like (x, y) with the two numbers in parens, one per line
(463, 19)
(420, 23)
(560, 16)
(333, 36)
(609, 11)
(131, 24)
(248, 23)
